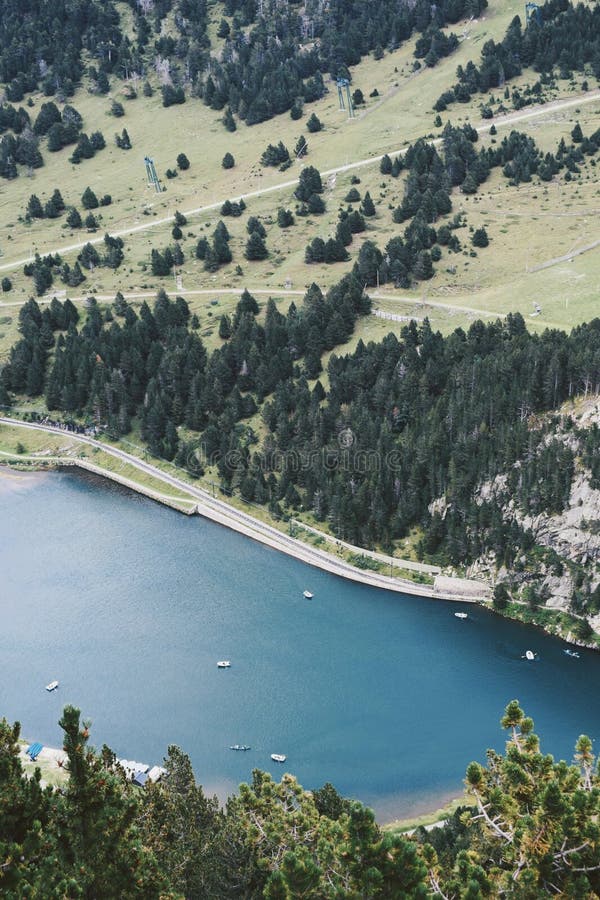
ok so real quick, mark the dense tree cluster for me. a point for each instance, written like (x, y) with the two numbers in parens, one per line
(20, 150)
(41, 44)
(265, 67)
(449, 413)
(432, 418)
(51, 209)
(532, 833)
(60, 129)
(44, 269)
(559, 36)
(218, 253)
(276, 156)
(431, 177)
(263, 70)
(152, 366)
(434, 44)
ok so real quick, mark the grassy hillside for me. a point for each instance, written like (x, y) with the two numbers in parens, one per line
(529, 225)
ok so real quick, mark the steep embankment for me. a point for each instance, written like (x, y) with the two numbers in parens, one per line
(561, 570)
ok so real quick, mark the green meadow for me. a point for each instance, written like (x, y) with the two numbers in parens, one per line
(530, 226)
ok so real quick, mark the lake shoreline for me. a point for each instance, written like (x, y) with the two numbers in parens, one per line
(431, 812)
(130, 608)
(448, 588)
(300, 550)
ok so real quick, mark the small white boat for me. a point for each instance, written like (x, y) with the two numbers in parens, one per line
(278, 757)
(240, 747)
(461, 615)
(307, 595)
(572, 653)
(223, 664)
(529, 654)
(52, 686)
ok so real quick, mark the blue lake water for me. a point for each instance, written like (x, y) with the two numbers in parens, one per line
(130, 605)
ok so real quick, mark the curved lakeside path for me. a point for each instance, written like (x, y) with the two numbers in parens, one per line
(444, 588)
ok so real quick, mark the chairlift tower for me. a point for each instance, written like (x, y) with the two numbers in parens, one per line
(343, 86)
(153, 179)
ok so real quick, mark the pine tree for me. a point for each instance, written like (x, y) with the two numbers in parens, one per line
(480, 238)
(385, 166)
(99, 845)
(89, 199)
(368, 207)
(313, 123)
(34, 208)
(285, 218)
(225, 327)
(201, 248)
(255, 247)
(228, 120)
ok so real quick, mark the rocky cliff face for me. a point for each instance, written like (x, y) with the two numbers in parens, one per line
(566, 577)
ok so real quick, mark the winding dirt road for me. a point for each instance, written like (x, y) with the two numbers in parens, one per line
(500, 122)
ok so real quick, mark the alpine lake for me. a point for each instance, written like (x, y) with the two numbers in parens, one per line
(129, 605)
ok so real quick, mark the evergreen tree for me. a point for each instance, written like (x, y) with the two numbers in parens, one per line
(368, 207)
(385, 166)
(34, 208)
(89, 199)
(255, 247)
(225, 327)
(313, 123)
(201, 248)
(229, 121)
(123, 141)
(309, 183)
(480, 238)
(285, 218)
(98, 847)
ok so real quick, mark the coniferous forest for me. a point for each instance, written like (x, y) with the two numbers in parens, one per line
(532, 832)
(264, 69)
(276, 57)
(431, 418)
(455, 444)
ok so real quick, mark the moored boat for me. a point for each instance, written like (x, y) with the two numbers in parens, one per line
(239, 747)
(307, 595)
(223, 664)
(52, 686)
(529, 654)
(461, 615)
(572, 653)
(278, 757)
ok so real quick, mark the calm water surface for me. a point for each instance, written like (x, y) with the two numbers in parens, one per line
(130, 605)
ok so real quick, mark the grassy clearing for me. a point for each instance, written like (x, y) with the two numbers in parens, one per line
(51, 772)
(27, 446)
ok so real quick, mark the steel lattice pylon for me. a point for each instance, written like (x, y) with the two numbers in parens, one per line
(153, 179)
